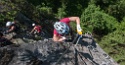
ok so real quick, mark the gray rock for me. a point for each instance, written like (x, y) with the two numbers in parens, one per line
(47, 52)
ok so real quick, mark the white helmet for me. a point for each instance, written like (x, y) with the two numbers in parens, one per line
(8, 23)
(33, 24)
(61, 28)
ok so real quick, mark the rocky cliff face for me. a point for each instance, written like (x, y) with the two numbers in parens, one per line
(47, 52)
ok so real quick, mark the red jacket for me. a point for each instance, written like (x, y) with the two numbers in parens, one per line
(38, 28)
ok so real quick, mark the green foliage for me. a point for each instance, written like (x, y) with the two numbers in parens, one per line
(121, 25)
(41, 10)
(113, 44)
(8, 11)
(97, 21)
(86, 18)
(61, 11)
(116, 8)
(74, 8)
(35, 2)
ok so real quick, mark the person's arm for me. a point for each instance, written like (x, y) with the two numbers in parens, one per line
(58, 38)
(32, 30)
(11, 29)
(75, 19)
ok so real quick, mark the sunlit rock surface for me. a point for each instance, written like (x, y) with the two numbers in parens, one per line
(47, 52)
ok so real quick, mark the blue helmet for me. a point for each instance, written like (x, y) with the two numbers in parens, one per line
(61, 27)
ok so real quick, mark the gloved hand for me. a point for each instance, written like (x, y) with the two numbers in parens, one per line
(79, 30)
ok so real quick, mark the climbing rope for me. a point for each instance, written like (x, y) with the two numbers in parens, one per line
(67, 50)
(76, 51)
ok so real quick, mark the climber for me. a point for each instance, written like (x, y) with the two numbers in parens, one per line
(62, 29)
(37, 29)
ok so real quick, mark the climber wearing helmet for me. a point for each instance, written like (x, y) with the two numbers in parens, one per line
(36, 29)
(12, 30)
(62, 28)
(11, 27)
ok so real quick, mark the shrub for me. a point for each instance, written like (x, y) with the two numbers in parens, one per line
(95, 20)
